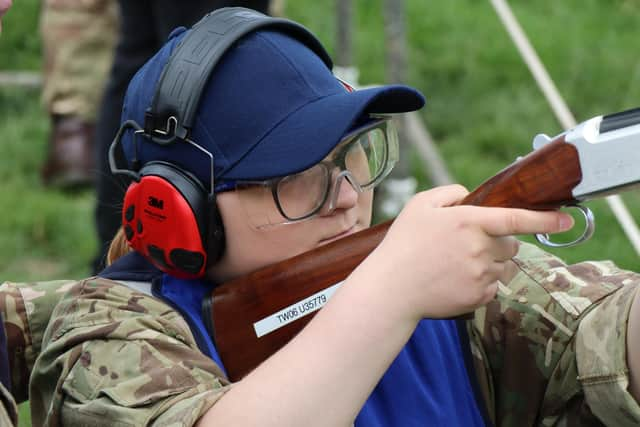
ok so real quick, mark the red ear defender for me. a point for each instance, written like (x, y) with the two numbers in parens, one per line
(165, 218)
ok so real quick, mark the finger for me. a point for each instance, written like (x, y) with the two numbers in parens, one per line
(494, 271)
(510, 271)
(491, 291)
(491, 288)
(446, 195)
(504, 248)
(509, 222)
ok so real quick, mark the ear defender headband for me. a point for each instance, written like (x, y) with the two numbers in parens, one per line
(169, 216)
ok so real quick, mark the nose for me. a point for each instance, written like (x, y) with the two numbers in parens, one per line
(343, 194)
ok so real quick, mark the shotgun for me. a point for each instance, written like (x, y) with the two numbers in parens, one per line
(251, 317)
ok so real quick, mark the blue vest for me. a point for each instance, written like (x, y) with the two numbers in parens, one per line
(427, 384)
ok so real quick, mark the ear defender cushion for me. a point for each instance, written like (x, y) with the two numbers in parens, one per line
(165, 218)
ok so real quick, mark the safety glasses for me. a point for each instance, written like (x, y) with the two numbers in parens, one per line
(364, 158)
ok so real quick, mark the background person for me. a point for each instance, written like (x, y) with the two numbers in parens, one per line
(78, 38)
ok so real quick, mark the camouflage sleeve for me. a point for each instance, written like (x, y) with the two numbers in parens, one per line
(26, 309)
(550, 349)
(114, 357)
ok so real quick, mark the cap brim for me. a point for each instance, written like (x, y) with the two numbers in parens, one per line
(306, 136)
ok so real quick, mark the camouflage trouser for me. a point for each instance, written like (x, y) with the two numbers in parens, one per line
(550, 350)
(79, 38)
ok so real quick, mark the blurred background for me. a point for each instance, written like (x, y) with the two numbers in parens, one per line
(483, 106)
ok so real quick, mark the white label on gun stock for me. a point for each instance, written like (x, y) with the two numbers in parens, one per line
(295, 311)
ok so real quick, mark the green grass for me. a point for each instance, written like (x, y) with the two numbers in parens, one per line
(483, 108)
(45, 233)
(20, 39)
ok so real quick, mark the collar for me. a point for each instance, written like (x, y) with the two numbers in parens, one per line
(133, 267)
(185, 296)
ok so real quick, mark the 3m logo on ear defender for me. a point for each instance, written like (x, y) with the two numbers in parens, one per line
(154, 202)
(160, 224)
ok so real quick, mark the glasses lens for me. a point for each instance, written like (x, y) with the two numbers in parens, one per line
(370, 156)
(367, 156)
(302, 194)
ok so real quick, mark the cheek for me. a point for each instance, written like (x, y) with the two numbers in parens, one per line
(249, 248)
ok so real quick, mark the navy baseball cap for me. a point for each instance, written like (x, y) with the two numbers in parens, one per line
(271, 108)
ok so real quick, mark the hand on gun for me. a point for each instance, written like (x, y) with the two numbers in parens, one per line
(440, 260)
(459, 251)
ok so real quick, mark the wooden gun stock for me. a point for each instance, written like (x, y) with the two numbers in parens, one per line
(541, 180)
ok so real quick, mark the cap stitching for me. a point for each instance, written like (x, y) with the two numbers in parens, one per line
(259, 140)
(291, 64)
(274, 126)
(253, 147)
(211, 141)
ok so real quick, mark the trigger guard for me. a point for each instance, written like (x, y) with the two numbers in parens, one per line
(589, 229)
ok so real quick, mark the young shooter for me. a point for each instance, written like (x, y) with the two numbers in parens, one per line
(296, 156)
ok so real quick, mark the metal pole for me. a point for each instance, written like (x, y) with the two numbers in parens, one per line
(344, 10)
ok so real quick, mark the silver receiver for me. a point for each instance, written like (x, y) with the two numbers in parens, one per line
(609, 153)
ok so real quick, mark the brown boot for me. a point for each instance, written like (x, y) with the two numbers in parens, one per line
(70, 163)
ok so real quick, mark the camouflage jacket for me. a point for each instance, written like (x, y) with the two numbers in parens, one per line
(550, 350)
